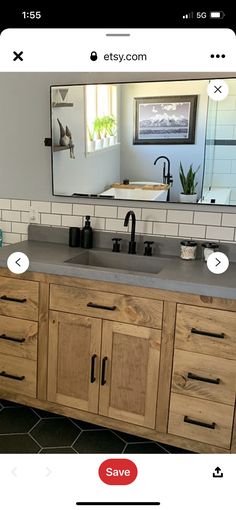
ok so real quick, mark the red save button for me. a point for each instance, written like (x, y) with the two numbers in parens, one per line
(118, 471)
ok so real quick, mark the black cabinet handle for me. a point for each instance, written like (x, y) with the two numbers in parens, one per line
(103, 307)
(103, 379)
(200, 423)
(11, 376)
(92, 373)
(204, 379)
(18, 340)
(207, 333)
(16, 300)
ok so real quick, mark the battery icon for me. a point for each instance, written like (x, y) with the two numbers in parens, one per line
(217, 14)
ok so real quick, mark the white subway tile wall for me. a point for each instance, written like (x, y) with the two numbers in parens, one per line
(51, 219)
(192, 231)
(11, 215)
(83, 209)
(15, 217)
(206, 218)
(123, 210)
(153, 214)
(62, 208)
(71, 221)
(180, 216)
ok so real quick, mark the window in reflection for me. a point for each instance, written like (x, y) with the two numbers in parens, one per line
(101, 116)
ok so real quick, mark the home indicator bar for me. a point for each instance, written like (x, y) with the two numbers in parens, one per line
(122, 504)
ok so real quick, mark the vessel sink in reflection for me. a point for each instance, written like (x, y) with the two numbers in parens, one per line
(120, 261)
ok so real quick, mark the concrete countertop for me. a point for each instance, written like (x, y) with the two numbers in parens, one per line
(177, 275)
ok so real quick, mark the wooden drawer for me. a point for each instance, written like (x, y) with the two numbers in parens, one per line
(19, 298)
(18, 337)
(208, 414)
(17, 375)
(206, 330)
(202, 376)
(106, 305)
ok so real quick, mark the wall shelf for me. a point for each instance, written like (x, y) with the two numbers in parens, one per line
(57, 148)
(62, 105)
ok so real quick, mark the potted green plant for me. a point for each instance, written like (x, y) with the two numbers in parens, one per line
(189, 184)
(110, 124)
(105, 130)
(98, 130)
(91, 140)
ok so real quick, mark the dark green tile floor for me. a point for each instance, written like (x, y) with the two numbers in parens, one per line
(28, 430)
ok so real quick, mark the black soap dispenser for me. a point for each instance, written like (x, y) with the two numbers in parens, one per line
(87, 234)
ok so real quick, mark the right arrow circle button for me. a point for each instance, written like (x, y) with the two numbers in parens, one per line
(217, 262)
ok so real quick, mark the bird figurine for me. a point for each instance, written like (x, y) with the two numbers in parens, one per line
(66, 139)
(71, 144)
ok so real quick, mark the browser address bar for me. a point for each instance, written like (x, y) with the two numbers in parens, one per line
(161, 50)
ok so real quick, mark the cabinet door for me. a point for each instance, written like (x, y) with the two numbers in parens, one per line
(129, 373)
(74, 358)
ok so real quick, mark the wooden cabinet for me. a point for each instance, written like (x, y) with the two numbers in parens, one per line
(206, 330)
(18, 336)
(153, 363)
(107, 305)
(204, 375)
(74, 360)
(204, 420)
(130, 365)
(19, 298)
(89, 356)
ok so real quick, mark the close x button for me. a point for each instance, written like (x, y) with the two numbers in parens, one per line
(18, 55)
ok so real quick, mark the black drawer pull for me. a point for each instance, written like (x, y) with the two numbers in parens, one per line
(207, 333)
(204, 379)
(103, 307)
(18, 340)
(92, 373)
(199, 423)
(10, 376)
(16, 300)
(103, 379)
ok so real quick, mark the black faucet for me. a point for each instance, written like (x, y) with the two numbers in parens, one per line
(132, 243)
(167, 178)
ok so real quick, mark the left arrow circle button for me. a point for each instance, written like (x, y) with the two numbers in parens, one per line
(18, 262)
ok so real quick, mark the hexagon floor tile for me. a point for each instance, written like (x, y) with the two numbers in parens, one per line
(17, 419)
(144, 448)
(18, 443)
(63, 449)
(26, 430)
(99, 441)
(51, 432)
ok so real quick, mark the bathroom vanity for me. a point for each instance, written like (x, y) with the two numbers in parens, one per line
(120, 349)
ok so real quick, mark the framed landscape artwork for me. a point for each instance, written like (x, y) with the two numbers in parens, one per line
(165, 120)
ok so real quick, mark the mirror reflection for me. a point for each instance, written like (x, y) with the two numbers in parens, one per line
(154, 141)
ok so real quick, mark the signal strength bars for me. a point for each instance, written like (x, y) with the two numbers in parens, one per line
(190, 15)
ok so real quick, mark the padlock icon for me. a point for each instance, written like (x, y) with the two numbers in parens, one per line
(93, 56)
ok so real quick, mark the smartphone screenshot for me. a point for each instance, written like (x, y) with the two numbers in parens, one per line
(118, 262)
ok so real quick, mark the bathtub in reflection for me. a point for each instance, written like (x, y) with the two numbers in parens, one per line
(136, 194)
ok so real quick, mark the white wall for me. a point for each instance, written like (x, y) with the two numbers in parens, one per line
(137, 160)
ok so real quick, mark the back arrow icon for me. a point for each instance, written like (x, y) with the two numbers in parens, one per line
(17, 262)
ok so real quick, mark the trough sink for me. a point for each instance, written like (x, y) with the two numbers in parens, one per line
(120, 261)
